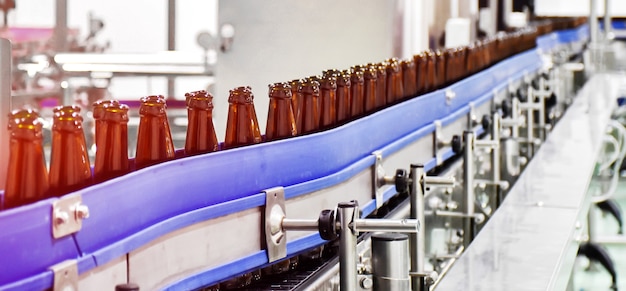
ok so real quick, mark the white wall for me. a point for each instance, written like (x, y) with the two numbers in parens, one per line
(577, 7)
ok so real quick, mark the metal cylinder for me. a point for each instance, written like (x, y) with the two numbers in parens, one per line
(468, 187)
(387, 225)
(417, 241)
(495, 160)
(300, 224)
(5, 107)
(607, 20)
(390, 261)
(347, 246)
(593, 21)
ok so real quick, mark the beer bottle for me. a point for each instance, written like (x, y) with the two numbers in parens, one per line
(431, 79)
(328, 96)
(471, 58)
(27, 176)
(357, 94)
(370, 79)
(440, 69)
(201, 137)
(295, 97)
(309, 119)
(408, 78)
(462, 53)
(280, 120)
(154, 138)
(111, 140)
(69, 162)
(394, 70)
(420, 72)
(381, 84)
(450, 66)
(242, 126)
(343, 96)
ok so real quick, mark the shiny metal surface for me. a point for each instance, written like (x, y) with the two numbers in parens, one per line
(5, 106)
(347, 246)
(417, 242)
(531, 242)
(390, 261)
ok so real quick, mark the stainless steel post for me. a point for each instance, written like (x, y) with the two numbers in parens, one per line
(530, 123)
(390, 266)
(607, 21)
(5, 106)
(495, 159)
(417, 241)
(386, 225)
(347, 211)
(171, 42)
(60, 28)
(468, 187)
(593, 21)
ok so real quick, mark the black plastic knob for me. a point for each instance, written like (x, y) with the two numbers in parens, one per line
(507, 108)
(402, 181)
(522, 94)
(326, 225)
(486, 122)
(457, 144)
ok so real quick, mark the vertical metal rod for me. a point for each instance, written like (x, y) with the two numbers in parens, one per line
(390, 261)
(417, 247)
(347, 246)
(515, 118)
(171, 42)
(60, 29)
(593, 21)
(542, 108)
(468, 187)
(607, 20)
(5, 107)
(495, 158)
(530, 123)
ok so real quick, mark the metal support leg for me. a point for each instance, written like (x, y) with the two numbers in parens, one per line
(468, 187)
(390, 261)
(417, 241)
(347, 246)
(495, 159)
(608, 27)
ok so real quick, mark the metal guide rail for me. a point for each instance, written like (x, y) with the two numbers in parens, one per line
(196, 221)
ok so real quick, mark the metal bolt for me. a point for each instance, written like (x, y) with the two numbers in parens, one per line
(81, 211)
(367, 283)
(431, 278)
(60, 217)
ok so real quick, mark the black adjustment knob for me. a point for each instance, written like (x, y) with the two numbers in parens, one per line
(507, 108)
(457, 144)
(486, 122)
(551, 101)
(127, 287)
(326, 225)
(535, 84)
(402, 181)
(522, 95)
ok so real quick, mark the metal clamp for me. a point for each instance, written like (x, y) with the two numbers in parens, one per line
(67, 215)
(65, 276)
(450, 95)
(275, 241)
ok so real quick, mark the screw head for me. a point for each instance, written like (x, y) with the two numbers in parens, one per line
(81, 211)
(367, 283)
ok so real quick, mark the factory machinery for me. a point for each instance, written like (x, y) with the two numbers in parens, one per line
(485, 184)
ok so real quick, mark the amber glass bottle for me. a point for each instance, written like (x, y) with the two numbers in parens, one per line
(328, 99)
(344, 99)
(357, 93)
(309, 120)
(431, 83)
(111, 140)
(154, 139)
(242, 125)
(395, 91)
(370, 80)
(409, 78)
(381, 84)
(295, 97)
(470, 58)
(440, 69)
(281, 122)
(450, 64)
(27, 176)
(69, 162)
(201, 137)
(420, 72)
